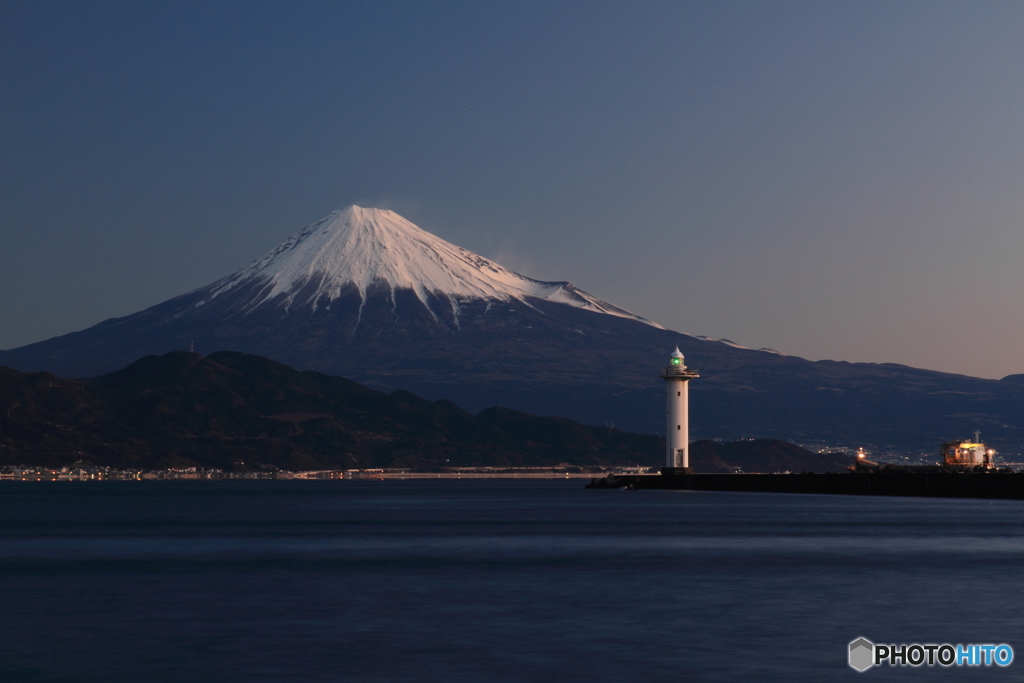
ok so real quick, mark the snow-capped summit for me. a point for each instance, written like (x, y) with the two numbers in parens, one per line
(372, 248)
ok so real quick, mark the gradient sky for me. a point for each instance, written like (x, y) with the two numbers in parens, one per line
(837, 180)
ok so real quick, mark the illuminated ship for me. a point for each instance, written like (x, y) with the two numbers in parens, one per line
(967, 454)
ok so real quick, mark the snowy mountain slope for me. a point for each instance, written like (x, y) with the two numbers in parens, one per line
(375, 248)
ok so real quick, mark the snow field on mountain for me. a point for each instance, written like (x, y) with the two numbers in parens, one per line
(363, 247)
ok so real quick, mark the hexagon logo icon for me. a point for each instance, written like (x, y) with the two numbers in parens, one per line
(862, 654)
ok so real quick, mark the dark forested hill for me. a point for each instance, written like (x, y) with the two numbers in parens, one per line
(236, 411)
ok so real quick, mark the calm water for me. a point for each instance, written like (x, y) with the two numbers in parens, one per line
(491, 581)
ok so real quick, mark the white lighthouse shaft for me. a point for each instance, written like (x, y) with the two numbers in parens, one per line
(677, 424)
(677, 410)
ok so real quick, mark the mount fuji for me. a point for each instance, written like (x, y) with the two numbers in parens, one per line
(366, 294)
(374, 251)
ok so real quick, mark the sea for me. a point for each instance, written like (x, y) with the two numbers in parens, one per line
(493, 580)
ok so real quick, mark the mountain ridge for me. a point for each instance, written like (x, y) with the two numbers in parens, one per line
(538, 355)
(240, 412)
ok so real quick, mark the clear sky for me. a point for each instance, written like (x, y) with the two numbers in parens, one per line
(837, 180)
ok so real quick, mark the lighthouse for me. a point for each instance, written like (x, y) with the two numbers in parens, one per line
(677, 410)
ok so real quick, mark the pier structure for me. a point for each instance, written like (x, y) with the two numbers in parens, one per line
(677, 411)
(968, 470)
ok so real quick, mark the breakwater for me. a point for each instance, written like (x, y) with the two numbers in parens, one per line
(1001, 484)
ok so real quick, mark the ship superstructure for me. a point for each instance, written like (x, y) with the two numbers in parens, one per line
(967, 454)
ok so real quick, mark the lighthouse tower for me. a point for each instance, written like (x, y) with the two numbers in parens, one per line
(677, 410)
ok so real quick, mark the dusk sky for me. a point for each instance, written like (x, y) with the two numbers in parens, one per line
(839, 180)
